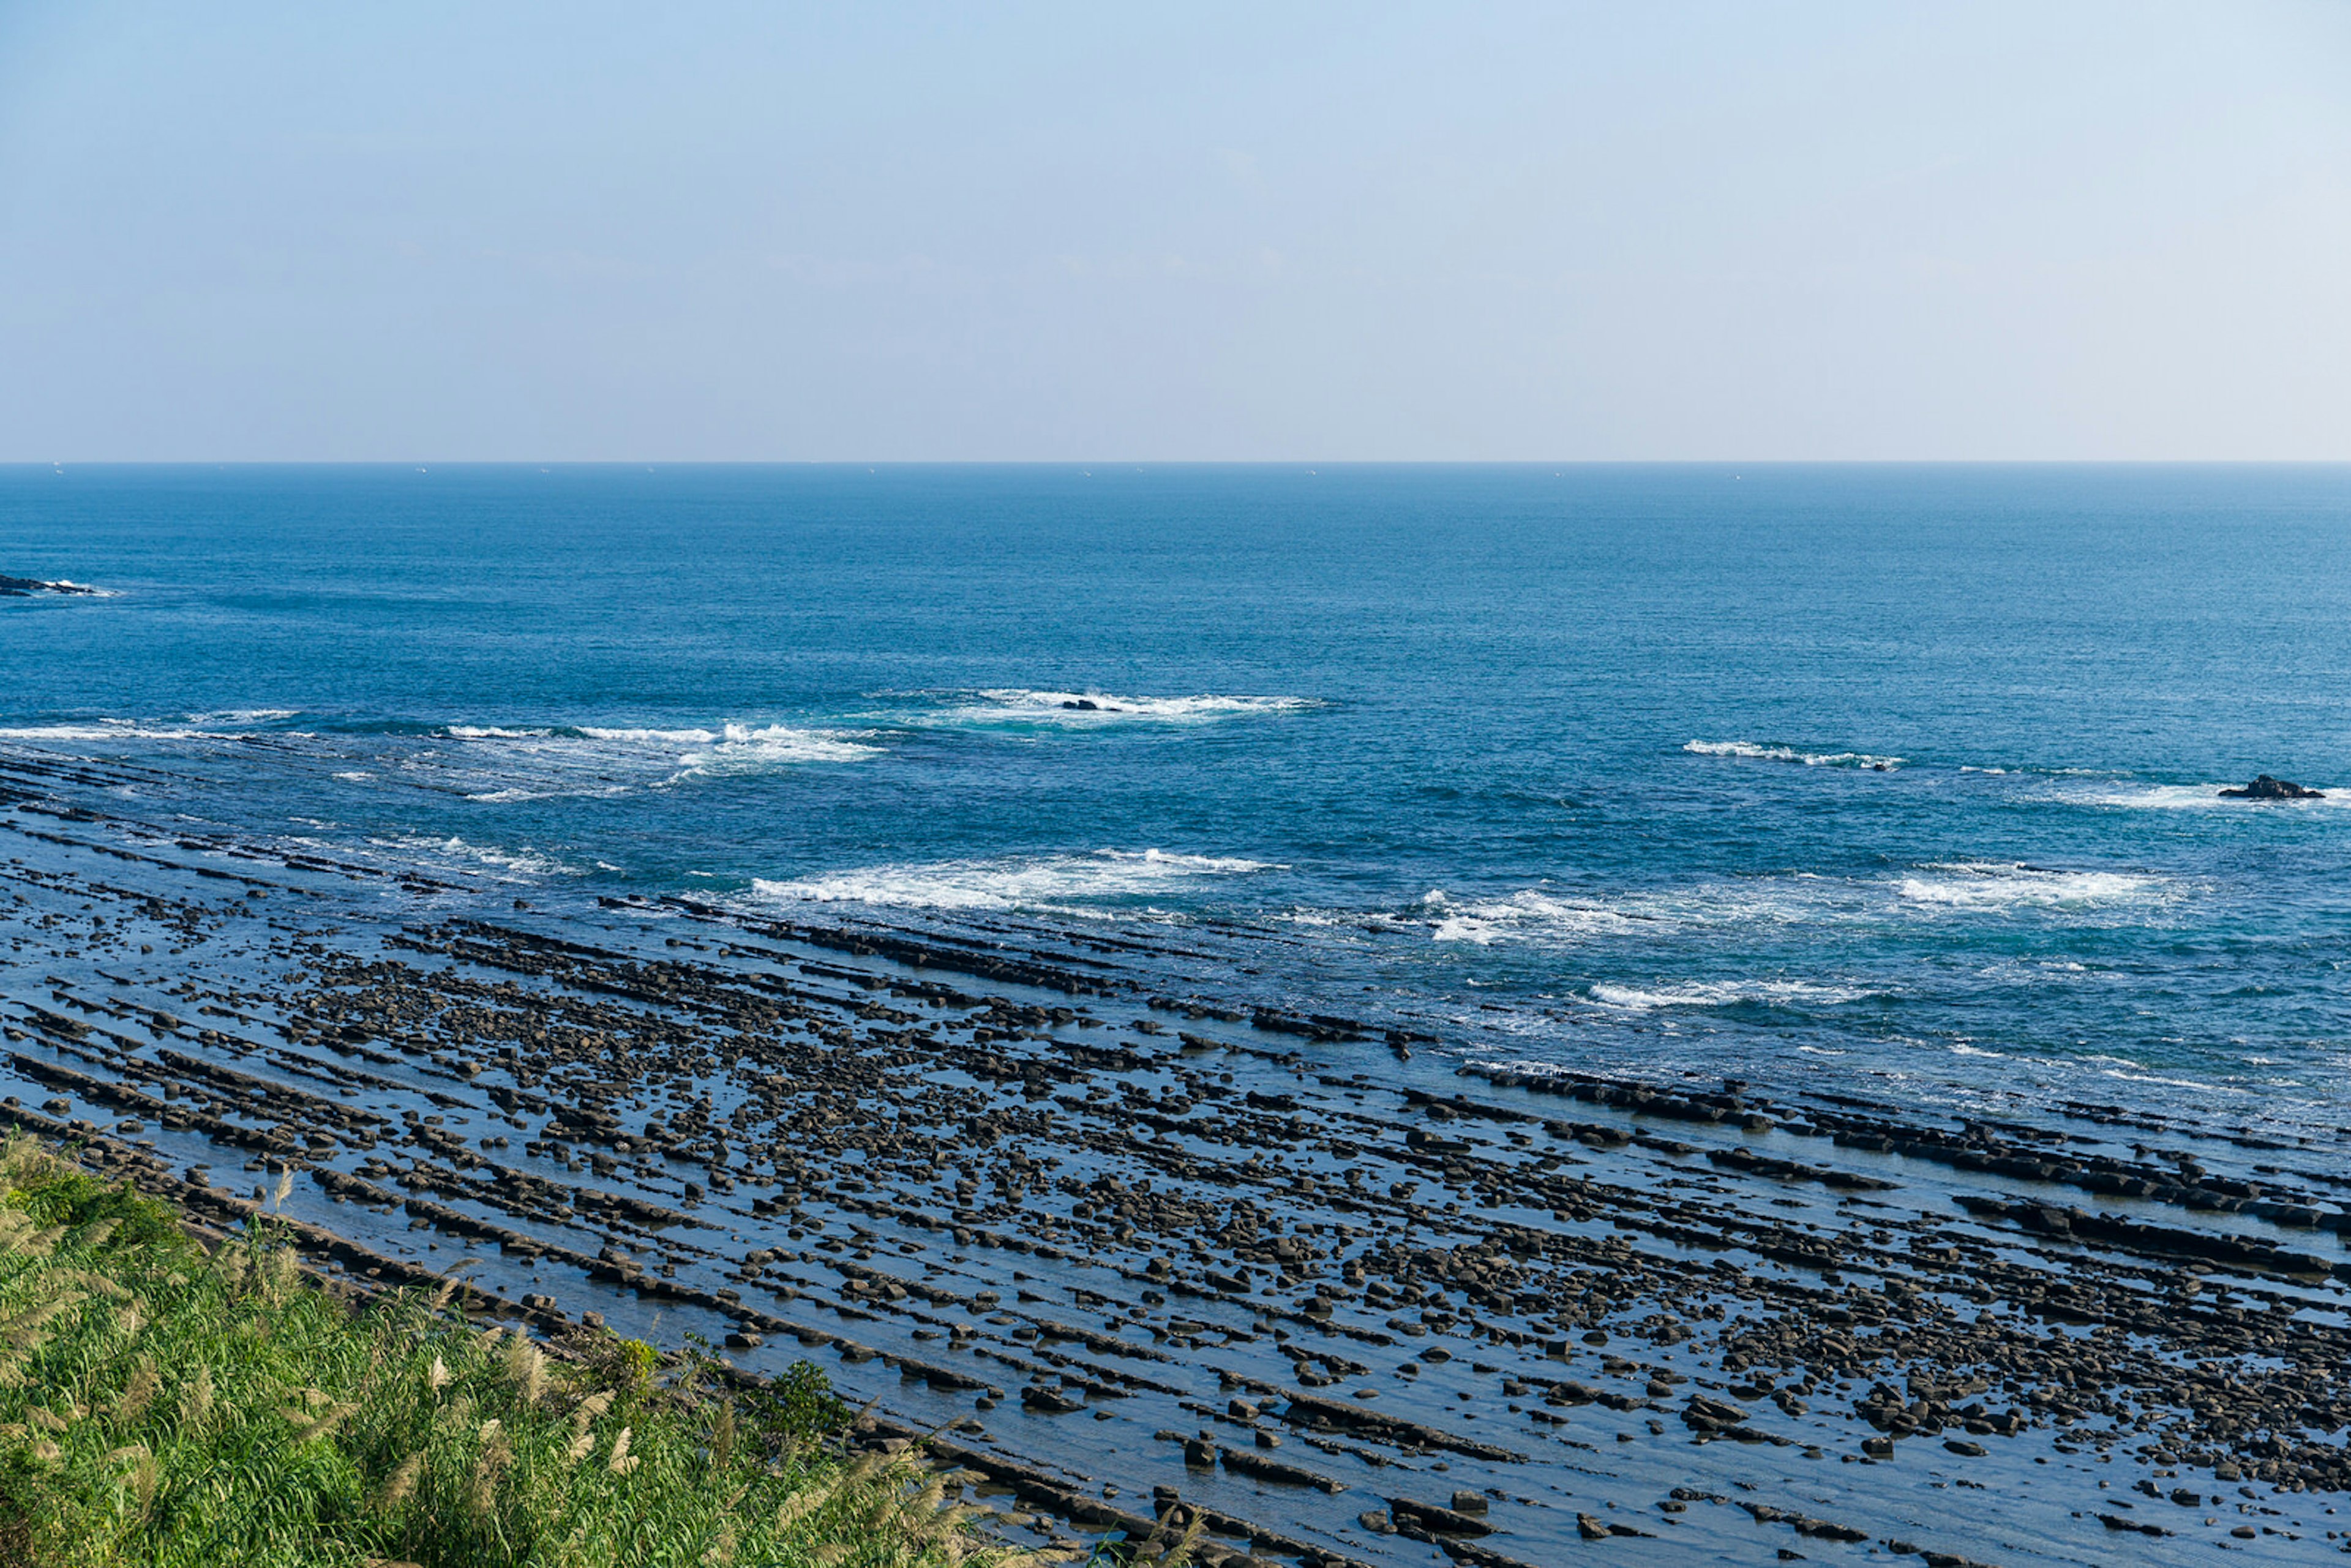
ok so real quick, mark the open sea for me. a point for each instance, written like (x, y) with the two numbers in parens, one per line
(1796, 774)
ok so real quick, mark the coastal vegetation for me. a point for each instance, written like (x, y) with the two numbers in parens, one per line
(166, 1402)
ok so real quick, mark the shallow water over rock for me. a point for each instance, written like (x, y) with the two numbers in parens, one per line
(1356, 1295)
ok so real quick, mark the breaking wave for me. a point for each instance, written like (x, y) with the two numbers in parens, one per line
(458, 853)
(1525, 915)
(535, 763)
(2187, 797)
(1767, 753)
(1727, 993)
(1994, 886)
(1022, 705)
(1985, 889)
(1062, 883)
(116, 731)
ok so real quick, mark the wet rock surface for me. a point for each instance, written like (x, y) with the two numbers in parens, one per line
(26, 587)
(2265, 788)
(1108, 1243)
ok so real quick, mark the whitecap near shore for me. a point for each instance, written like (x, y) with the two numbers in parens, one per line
(124, 731)
(1025, 707)
(1100, 882)
(2001, 886)
(1725, 994)
(491, 764)
(1760, 751)
(523, 863)
(2192, 797)
(1542, 916)
(530, 763)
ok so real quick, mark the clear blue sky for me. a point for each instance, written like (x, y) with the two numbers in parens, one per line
(1637, 230)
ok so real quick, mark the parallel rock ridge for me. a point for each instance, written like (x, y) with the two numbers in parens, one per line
(1109, 1243)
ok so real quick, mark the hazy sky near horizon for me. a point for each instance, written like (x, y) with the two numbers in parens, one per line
(1551, 231)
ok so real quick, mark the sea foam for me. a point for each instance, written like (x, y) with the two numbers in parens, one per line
(1024, 705)
(1525, 915)
(2001, 886)
(524, 862)
(1764, 752)
(2190, 797)
(530, 763)
(1726, 993)
(1072, 883)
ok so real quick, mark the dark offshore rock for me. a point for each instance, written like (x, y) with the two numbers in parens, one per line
(2265, 788)
(26, 587)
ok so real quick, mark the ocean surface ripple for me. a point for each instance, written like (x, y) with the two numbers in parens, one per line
(1793, 773)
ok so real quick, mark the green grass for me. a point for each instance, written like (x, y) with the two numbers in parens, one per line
(162, 1406)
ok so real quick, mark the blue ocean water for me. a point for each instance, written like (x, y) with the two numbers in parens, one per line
(1897, 774)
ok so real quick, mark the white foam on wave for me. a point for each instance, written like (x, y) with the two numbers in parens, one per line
(1998, 888)
(2189, 797)
(243, 716)
(744, 749)
(691, 748)
(1761, 752)
(660, 737)
(2160, 1080)
(508, 795)
(1020, 704)
(524, 862)
(539, 762)
(107, 731)
(1524, 915)
(1065, 883)
(1545, 916)
(1726, 993)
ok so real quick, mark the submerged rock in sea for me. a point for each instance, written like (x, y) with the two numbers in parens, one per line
(26, 587)
(2267, 788)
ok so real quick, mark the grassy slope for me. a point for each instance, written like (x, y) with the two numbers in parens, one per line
(162, 1405)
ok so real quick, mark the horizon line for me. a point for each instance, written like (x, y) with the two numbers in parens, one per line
(550, 464)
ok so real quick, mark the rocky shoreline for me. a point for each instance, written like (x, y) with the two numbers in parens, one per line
(1352, 1295)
